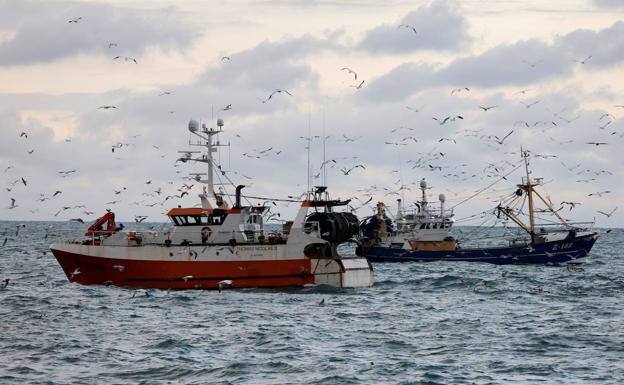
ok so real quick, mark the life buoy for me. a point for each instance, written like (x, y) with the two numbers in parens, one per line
(205, 234)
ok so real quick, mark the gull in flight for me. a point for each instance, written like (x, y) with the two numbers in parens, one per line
(349, 70)
(224, 283)
(608, 215)
(408, 27)
(74, 273)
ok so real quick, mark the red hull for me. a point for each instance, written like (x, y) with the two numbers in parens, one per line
(183, 274)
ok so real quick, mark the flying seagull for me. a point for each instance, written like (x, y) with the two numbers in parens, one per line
(277, 91)
(349, 70)
(359, 85)
(584, 60)
(608, 215)
(408, 27)
(76, 20)
(224, 283)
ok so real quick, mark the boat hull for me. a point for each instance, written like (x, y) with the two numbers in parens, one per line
(552, 252)
(92, 265)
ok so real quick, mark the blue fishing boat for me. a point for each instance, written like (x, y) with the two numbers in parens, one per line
(424, 234)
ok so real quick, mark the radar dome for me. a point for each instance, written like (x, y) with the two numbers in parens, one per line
(220, 123)
(442, 197)
(193, 126)
(423, 184)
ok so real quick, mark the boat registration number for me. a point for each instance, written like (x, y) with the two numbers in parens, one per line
(562, 246)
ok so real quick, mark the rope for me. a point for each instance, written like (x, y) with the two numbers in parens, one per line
(488, 186)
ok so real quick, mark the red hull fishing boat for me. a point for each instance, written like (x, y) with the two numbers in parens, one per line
(216, 246)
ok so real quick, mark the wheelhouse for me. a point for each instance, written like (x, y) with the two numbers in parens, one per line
(198, 216)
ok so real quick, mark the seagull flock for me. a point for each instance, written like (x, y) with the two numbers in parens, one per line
(431, 161)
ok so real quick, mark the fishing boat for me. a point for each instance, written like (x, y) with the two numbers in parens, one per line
(425, 235)
(216, 246)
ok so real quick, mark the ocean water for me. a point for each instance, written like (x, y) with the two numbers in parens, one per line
(421, 323)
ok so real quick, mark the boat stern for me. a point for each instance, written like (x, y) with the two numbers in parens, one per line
(343, 272)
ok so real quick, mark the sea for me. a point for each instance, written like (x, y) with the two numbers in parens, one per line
(421, 323)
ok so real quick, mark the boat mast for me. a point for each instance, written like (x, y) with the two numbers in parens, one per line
(528, 187)
(206, 134)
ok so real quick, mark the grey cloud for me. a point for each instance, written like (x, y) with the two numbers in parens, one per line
(605, 46)
(609, 3)
(522, 63)
(401, 82)
(439, 25)
(269, 65)
(44, 34)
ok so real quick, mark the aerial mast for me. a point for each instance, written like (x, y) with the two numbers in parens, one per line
(528, 187)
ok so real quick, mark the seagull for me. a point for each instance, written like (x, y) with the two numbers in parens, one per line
(106, 107)
(349, 70)
(74, 273)
(598, 143)
(414, 109)
(408, 26)
(277, 91)
(76, 220)
(570, 204)
(6, 239)
(119, 268)
(608, 215)
(529, 104)
(584, 60)
(599, 193)
(532, 65)
(358, 86)
(76, 20)
(165, 93)
(6, 283)
(225, 58)
(224, 283)
(500, 141)
(346, 172)
(140, 218)
(459, 90)
(187, 277)
(24, 134)
(227, 108)
(126, 58)
(13, 205)
(487, 108)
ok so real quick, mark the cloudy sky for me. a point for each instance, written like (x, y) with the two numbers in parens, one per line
(552, 72)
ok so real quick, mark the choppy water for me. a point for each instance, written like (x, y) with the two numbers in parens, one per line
(435, 323)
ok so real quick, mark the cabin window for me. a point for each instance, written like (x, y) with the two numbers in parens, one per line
(198, 220)
(254, 219)
(423, 225)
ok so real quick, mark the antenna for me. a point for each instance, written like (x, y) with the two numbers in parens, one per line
(324, 138)
(309, 145)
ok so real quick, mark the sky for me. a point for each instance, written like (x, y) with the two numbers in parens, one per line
(546, 77)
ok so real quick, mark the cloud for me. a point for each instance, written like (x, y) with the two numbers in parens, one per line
(401, 82)
(520, 63)
(268, 65)
(439, 26)
(44, 33)
(609, 3)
